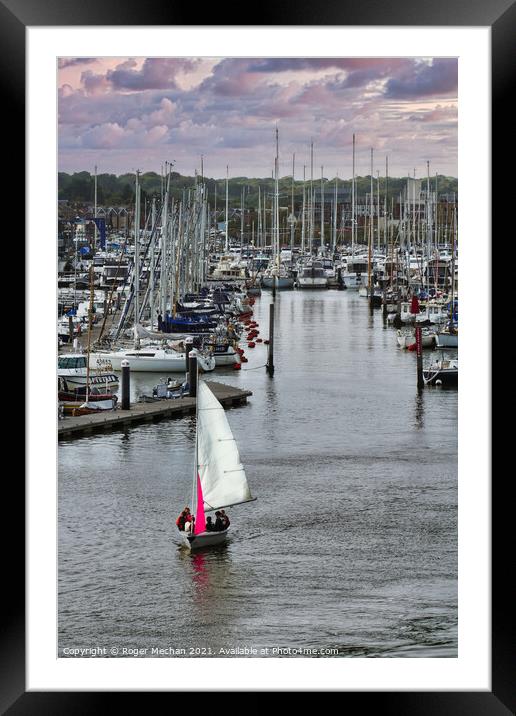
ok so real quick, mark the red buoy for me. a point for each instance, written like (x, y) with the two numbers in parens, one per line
(250, 345)
(266, 342)
(243, 359)
(259, 340)
(236, 366)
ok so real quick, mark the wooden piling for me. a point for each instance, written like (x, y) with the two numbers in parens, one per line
(192, 375)
(126, 385)
(270, 352)
(419, 355)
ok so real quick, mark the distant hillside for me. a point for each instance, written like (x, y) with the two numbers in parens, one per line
(115, 190)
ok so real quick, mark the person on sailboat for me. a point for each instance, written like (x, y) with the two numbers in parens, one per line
(210, 527)
(225, 520)
(184, 518)
(219, 524)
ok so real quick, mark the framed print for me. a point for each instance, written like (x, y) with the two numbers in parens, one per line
(363, 558)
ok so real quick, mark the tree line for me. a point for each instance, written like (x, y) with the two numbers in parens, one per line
(113, 190)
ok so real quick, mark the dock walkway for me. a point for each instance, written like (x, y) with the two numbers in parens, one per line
(69, 427)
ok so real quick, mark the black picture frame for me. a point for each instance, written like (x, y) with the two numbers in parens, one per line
(15, 16)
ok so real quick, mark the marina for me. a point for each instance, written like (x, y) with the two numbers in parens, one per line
(257, 400)
(366, 464)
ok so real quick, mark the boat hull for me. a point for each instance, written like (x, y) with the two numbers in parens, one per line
(353, 280)
(282, 282)
(446, 340)
(139, 363)
(204, 539)
(76, 380)
(444, 377)
(312, 282)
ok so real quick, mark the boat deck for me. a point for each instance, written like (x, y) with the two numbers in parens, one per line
(71, 427)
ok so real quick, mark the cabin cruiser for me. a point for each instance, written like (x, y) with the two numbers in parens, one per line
(312, 275)
(229, 268)
(72, 367)
(355, 272)
(150, 359)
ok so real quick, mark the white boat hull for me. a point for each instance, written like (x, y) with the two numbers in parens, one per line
(427, 340)
(76, 380)
(223, 359)
(147, 364)
(445, 340)
(204, 539)
(353, 280)
(303, 282)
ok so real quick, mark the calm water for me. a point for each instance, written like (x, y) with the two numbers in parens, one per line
(352, 543)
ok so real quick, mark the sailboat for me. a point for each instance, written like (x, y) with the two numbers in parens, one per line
(219, 478)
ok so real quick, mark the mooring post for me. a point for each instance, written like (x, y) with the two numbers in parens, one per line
(274, 281)
(419, 354)
(126, 384)
(270, 352)
(192, 375)
(188, 348)
(339, 277)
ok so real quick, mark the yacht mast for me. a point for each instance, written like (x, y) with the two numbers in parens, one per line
(276, 198)
(370, 242)
(292, 223)
(303, 213)
(322, 210)
(353, 203)
(227, 209)
(137, 260)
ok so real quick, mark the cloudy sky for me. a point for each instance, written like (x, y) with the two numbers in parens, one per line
(126, 113)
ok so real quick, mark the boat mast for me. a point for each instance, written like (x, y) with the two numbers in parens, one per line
(90, 319)
(276, 199)
(227, 209)
(378, 206)
(334, 238)
(259, 238)
(153, 229)
(370, 233)
(454, 248)
(311, 197)
(242, 200)
(292, 226)
(353, 203)
(95, 208)
(196, 452)
(322, 211)
(137, 260)
(303, 212)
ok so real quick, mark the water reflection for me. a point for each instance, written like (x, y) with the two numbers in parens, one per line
(420, 409)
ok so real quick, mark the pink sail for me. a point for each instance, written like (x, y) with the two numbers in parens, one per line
(200, 519)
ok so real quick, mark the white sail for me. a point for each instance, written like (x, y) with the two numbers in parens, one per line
(221, 473)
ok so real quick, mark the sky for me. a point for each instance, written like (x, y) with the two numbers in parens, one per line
(128, 113)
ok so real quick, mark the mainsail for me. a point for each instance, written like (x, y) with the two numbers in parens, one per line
(221, 473)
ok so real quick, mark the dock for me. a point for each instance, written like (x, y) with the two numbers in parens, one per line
(72, 427)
